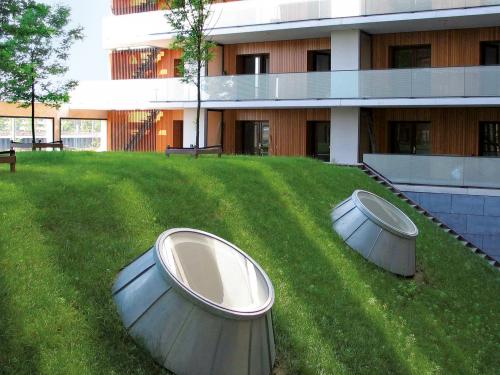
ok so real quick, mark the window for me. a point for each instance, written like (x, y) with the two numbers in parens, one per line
(409, 137)
(84, 134)
(252, 137)
(177, 65)
(489, 139)
(318, 61)
(408, 57)
(318, 140)
(252, 64)
(18, 129)
(490, 53)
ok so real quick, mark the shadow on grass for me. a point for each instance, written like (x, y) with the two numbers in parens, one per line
(314, 305)
(431, 312)
(18, 353)
(93, 226)
(98, 218)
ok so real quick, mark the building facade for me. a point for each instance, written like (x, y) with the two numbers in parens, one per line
(410, 87)
(312, 78)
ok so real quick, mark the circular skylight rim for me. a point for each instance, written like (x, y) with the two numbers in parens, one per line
(199, 299)
(371, 216)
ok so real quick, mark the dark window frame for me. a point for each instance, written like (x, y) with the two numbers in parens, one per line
(312, 59)
(489, 43)
(312, 138)
(240, 57)
(413, 141)
(257, 125)
(413, 48)
(482, 138)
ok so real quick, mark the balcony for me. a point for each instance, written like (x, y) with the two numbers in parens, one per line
(450, 171)
(336, 88)
(263, 15)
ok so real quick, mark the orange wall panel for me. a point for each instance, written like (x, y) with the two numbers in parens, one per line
(165, 62)
(165, 129)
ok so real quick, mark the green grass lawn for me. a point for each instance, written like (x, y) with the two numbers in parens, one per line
(70, 221)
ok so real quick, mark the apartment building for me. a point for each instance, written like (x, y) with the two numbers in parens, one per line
(410, 87)
(327, 79)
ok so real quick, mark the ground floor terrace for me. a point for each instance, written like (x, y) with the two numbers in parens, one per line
(339, 135)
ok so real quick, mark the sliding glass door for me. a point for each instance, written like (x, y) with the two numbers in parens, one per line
(318, 140)
(253, 138)
(408, 137)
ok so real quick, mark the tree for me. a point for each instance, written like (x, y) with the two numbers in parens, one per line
(9, 9)
(189, 19)
(35, 41)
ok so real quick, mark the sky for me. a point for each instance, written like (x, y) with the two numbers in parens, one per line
(88, 61)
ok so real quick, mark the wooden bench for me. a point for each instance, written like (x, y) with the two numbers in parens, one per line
(9, 157)
(39, 145)
(195, 151)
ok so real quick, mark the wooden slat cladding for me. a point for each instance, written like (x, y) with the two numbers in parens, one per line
(459, 47)
(144, 63)
(286, 56)
(132, 130)
(134, 64)
(121, 7)
(454, 131)
(288, 130)
(141, 130)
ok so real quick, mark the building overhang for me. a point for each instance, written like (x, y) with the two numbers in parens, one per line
(152, 29)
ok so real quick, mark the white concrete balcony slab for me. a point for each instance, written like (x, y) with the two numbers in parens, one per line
(253, 20)
(479, 85)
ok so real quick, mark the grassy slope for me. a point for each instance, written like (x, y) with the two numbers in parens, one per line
(69, 222)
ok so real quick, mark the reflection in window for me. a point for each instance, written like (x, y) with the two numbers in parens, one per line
(18, 129)
(489, 139)
(84, 134)
(410, 57)
(409, 137)
(252, 64)
(318, 61)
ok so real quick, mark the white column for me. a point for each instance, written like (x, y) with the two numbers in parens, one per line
(189, 134)
(344, 135)
(344, 125)
(345, 45)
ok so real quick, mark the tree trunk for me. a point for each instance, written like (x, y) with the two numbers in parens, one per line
(198, 107)
(33, 137)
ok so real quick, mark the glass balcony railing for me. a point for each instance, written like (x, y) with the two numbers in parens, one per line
(457, 171)
(468, 82)
(478, 81)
